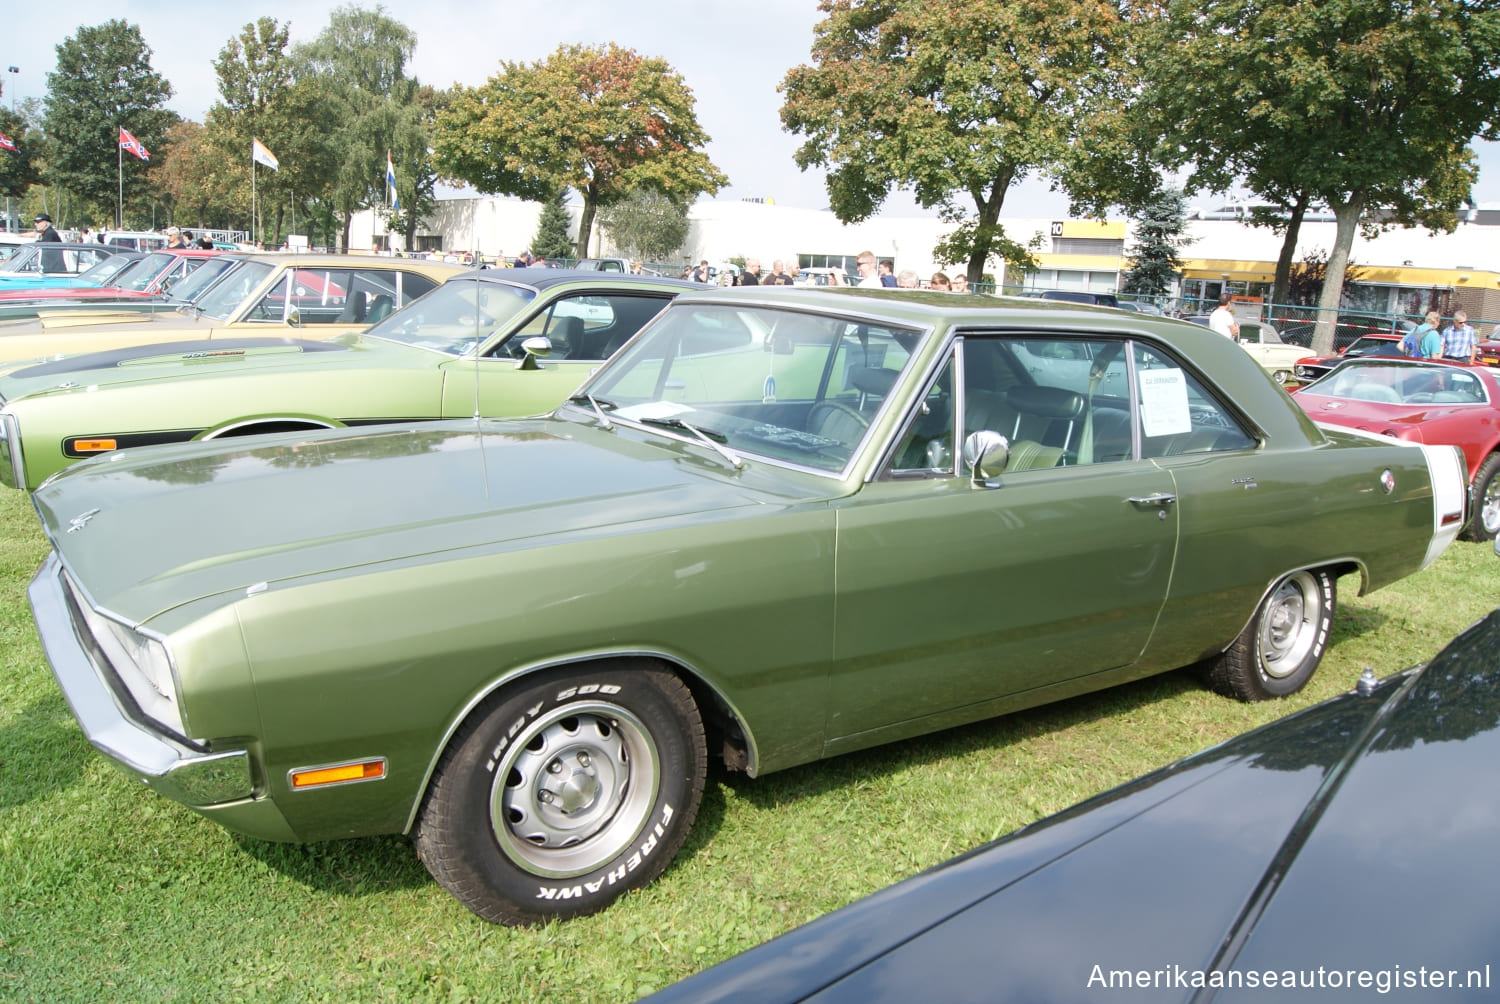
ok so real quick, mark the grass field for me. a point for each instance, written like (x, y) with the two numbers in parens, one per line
(109, 892)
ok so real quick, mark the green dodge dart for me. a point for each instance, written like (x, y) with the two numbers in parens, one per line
(500, 342)
(780, 524)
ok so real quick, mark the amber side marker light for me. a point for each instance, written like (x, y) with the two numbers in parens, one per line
(94, 445)
(313, 777)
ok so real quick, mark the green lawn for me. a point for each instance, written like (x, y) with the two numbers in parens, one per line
(109, 892)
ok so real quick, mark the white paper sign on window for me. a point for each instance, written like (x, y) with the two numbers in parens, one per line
(1164, 403)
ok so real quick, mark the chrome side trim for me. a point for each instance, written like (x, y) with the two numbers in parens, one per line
(12, 463)
(190, 776)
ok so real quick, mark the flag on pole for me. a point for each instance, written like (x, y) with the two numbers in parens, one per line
(130, 144)
(260, 155)
(390, 182)
(6, 144)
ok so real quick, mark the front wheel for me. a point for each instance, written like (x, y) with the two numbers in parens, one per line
(1485, 501)
(1282, 645)
(564, 791)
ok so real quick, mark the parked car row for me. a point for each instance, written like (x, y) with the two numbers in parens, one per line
(521, 640)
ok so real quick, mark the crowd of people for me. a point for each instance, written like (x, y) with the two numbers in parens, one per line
(1456, 341)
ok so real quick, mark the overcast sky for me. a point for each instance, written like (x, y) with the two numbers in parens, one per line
(731, 55)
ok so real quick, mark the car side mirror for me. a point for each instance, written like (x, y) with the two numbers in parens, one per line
(532, 349)
(986, 454)
(294, 318)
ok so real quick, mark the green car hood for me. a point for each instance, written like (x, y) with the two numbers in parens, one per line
(144, 531)
(232, 355)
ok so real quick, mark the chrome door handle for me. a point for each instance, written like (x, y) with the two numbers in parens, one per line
(1160, 498)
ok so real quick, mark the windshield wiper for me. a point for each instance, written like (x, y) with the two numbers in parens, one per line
(713, 440)
(598, 405)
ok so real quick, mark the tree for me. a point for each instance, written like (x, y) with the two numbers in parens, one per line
(19, 168)
(602, 121)
(1159, 229)
(103, 83)
(191, 178)
(552, 240)
(646, 224)
(1308, 277)
(411, 146)
(1367, 107)
(358, 63)
(954, 101)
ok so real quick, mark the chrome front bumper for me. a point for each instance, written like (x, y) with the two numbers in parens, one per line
(180, 771)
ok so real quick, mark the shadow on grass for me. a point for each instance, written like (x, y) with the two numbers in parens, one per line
(41, 752)
(863, 766)
(356, 867)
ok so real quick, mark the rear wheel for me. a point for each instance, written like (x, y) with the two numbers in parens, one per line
(564, 791)
(1484, 499)
(1280, 648)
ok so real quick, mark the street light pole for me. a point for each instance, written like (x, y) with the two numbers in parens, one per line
(13, 69)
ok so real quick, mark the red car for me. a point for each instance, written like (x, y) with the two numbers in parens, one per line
(1313, 367)
(1422, 401)
(1489, 352)
(149, 276)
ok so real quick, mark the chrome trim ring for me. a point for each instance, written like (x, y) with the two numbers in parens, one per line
(1290, 626)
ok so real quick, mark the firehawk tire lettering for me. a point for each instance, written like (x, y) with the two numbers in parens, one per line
(561, 792)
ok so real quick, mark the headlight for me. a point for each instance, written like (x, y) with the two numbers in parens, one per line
(140, 662)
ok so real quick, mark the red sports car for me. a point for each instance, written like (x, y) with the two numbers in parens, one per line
(1489, 352)
(1422, 401)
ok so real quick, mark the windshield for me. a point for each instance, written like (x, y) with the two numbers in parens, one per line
(108, 271)
(455, 317)
(1401, 383)
(798, 388)
(197, 282)
(221, 301)
(1374, 347)
(138, 278)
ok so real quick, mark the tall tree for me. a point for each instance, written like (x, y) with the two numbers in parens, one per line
(103, 83)
(647, 225)
(956, 101)
(602, 121)
(1154, 261)
(192, 178)
(359, 63)
(259, 98)
(1366, 106)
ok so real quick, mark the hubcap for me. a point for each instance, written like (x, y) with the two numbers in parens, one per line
(573, 789)
(1290, 626)
(1489, 507)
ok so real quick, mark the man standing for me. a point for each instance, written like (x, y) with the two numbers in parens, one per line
(778, 276)
(1459, 339)
(750, 276)
(887, 275)
(45, 231)
(868, 277)
(1222, 319)
(960, 282)
(175, 238)
(701, 273)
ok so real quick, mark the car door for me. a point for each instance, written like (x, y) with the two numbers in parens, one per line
(582, 328)
(958, 600)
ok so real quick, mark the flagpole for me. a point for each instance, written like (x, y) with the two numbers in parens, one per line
(253, 217)
(120, 173)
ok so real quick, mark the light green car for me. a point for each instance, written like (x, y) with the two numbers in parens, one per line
(319, 296)
(780, 524)
(461, 349)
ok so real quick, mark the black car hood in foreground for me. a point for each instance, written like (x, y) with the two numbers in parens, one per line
(1353, 846)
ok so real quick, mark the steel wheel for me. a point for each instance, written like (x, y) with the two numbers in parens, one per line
(1280, 648)
(573, 789)
(1289, 625)
(1484, 524)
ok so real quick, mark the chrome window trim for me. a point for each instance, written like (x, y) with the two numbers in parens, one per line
(10, 450)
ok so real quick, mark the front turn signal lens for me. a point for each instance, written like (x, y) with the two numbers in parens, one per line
(343, 773)
(95, 445)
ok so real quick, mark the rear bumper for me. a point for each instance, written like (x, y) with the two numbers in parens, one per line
(183, 772)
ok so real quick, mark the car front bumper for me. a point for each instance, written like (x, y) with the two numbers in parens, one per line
(180, 770)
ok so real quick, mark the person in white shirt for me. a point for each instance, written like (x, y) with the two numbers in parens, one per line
(1222, 320)
(869, 269)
